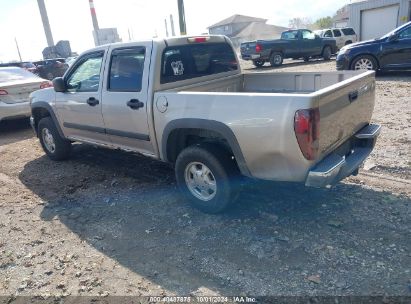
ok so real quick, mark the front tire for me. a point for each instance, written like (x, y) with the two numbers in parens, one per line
(276, 59)
(364, 62)
(327, 53)
(55, 146)
(203, 174)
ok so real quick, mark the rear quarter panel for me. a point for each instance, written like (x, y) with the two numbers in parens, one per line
(262, 123)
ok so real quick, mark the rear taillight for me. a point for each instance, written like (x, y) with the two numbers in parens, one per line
(258, 48)
(307, 131)
(46, 84)
(3, 92)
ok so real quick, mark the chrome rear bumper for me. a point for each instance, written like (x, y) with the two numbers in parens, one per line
(335, 167)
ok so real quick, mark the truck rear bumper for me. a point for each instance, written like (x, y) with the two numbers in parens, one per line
(335, 167)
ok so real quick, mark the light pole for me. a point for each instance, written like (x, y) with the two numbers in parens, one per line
(181, 17)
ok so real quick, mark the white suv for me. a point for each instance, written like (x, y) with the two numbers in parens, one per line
(342, 36)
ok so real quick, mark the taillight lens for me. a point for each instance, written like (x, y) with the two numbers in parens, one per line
(307, 131)
(3, 92)
(198, 39)
(258, 48)
(46, 84)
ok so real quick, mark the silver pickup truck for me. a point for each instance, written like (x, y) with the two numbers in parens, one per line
(185, 101)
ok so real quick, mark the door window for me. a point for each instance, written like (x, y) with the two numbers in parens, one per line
(405, 34)
(337, 33)
(289, 35)
(308, 35)
(86, 76)
(126, 70)
(328, 34)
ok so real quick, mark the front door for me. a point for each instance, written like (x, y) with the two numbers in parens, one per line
(79, 108)
(125, 97)
(397, 53)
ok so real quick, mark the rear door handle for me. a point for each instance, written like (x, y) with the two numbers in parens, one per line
(92, 101)
(135, 104)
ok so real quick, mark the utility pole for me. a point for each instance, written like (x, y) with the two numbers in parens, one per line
(165, 23)
(46, 24)
(18, 49)
(182, 18)
(173, 32)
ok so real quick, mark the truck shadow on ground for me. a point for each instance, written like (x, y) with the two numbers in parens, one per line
(12, 131)
(127, 207)
(401, 76)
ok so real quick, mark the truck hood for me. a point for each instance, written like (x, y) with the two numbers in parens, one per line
(47, 95)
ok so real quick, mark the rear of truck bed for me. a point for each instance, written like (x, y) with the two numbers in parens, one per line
(289, 126)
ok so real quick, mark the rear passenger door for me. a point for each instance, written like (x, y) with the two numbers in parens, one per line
(125, 97)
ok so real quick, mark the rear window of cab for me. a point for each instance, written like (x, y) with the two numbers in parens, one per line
(196, 60)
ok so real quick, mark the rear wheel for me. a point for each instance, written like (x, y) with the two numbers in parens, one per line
(364, 62)
(276, 59)
(327, 53)
(56, 147)
(204, 174)
(258, 63)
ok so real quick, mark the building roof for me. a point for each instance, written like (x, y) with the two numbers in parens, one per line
(238, 19)
(261, 30)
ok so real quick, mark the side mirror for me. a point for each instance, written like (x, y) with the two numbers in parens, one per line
(317, 36)
(393, 37)
(59, 85)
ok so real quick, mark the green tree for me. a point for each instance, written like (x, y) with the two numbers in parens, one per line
(323, 23)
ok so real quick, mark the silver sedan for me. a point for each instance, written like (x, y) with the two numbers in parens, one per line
(16, 84)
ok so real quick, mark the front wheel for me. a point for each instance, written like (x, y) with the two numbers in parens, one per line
(203, 174)
(56, 147)
(364, 62)
(327, 53)
(276, 59)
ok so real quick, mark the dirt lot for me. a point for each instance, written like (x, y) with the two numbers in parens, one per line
(108, 222)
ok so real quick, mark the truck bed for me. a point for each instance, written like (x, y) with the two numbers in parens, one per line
(260, 109)
(283, 82)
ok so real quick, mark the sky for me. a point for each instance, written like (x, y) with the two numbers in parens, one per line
(71, 20)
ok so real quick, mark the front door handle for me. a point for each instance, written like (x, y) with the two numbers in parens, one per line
(92, 101)
(135, 104)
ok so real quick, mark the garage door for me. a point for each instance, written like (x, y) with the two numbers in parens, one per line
(379, 21)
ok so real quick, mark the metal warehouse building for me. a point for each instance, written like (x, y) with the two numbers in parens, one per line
(374, 18)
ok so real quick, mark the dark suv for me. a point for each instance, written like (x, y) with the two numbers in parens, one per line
(390, 52)
(51, 68)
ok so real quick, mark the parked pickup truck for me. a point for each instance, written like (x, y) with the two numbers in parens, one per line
(293, 44)
(185, 101)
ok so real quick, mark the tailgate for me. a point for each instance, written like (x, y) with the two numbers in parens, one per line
(248, 48)
(345, 108)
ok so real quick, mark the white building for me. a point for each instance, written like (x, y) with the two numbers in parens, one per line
(374, 18)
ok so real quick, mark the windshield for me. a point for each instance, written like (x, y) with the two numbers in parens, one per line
(13, 74)
(398, 29)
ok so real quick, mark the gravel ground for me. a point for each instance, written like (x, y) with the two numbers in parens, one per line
(112, 223)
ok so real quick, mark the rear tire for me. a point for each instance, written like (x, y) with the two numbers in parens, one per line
(258, 63)
(204, 175)
(327, 52)
(56, 147)
(276, 59)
